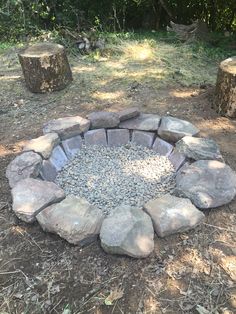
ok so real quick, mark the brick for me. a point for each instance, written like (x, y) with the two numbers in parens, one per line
(118, 137)
(143, 138)
(58, 158)
(162, 147)
(72, 146)
(96, 137)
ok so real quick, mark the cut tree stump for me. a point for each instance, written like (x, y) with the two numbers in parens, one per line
(45, 67)
(225, 93)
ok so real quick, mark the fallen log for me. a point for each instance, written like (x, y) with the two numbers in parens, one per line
(194, 31)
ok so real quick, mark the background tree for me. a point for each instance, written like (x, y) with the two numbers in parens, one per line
(21, 17)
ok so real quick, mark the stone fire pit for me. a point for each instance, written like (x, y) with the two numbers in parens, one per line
(120, 176)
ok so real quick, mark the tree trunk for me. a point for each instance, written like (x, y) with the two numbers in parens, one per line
(167, 9)
(157, 8)
(45, 67)
(213, 14)
(225, 94)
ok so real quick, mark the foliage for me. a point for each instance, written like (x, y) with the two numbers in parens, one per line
(21, 18)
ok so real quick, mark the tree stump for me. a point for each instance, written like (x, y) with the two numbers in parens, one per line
(225, 93)
(45, 67)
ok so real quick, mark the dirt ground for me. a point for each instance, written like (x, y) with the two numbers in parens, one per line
(193, 272)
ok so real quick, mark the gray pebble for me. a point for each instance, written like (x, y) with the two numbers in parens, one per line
(110, 176)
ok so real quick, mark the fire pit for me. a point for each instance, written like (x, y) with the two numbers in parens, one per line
(121, 176)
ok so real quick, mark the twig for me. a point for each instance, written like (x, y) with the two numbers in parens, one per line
(120, 309)
(139, 303)
(15, 272)
(3, 205)
(55, 306)
(3, 289)
(31, 239)
(220, 228)
(93, 292)
(114, 307)
(14, 259)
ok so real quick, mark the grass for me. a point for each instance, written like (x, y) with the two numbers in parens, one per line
(159, 58)
(4, 46)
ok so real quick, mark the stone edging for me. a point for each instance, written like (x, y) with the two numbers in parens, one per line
(201, 176)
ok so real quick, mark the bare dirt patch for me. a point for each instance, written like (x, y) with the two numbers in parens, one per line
(41, 273)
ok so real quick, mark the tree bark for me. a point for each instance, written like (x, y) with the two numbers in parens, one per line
(45, 67)
(225, 93)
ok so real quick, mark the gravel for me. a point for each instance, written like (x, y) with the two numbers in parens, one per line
(110, 176)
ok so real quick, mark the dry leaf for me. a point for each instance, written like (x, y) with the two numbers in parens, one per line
(228, 263)
(114, 295)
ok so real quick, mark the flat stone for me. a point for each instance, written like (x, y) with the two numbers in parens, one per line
(48, 172)
(199, 148)
(171, 214)
(162, 147)
(26, 165)
(118, 137)
(103, 119)
(73, 219)
(143, 138)
(173, 129)
(72, 145)
(128, 113)
(67, 127)
(58, 158)
(43, 144)
(177, 159)
(144, 122)
(129, 231)
(96, 137)
(207, 183)
(30, 196)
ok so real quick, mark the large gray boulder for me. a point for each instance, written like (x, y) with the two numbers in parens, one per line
(144, 122)
(43, 144)
(26, 165)
(198, 148)
(171, 214)
(173, 129)
(30, 196)
(128, 231)
(67, 127)
(103, 119)
(73, 219)
(207, 183)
